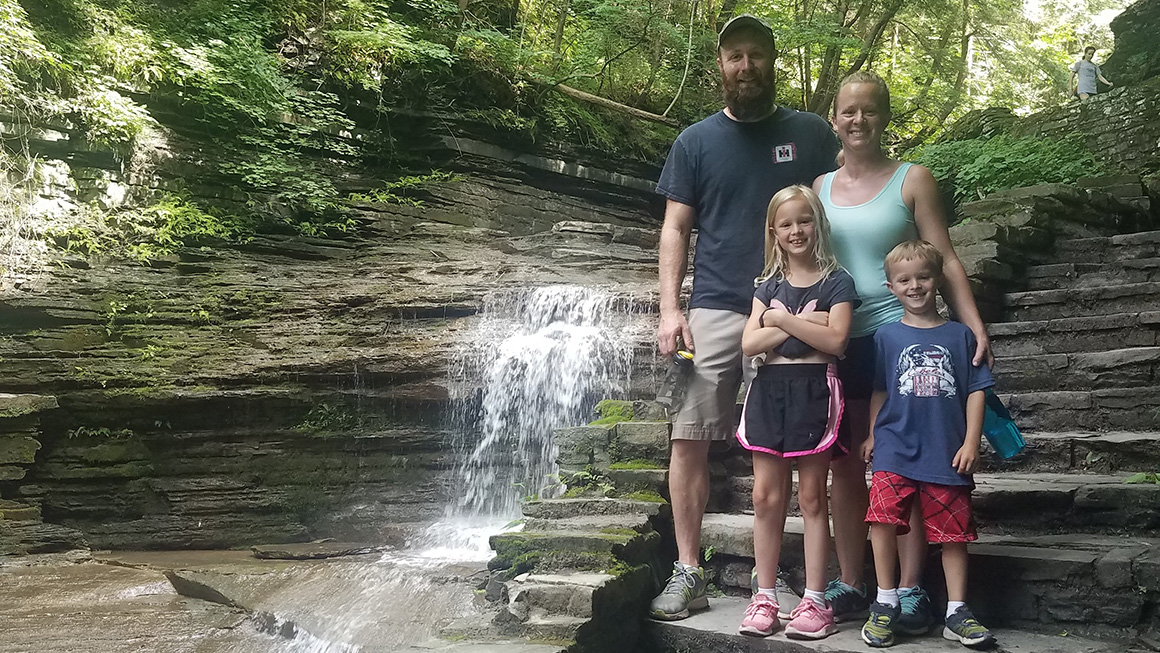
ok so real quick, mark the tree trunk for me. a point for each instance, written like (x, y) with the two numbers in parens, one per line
(561, 21)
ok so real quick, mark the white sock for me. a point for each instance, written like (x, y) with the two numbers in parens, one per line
(768, 591)
(952, 606)
(819, 598)
(889, 597)
(684, 566)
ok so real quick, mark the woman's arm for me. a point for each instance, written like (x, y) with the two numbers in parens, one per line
(920, 191)
(757, 339)
(830, 338)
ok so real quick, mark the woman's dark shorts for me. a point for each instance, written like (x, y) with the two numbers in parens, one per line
(856, 369)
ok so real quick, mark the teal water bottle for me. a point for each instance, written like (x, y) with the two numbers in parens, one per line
(1000, 429)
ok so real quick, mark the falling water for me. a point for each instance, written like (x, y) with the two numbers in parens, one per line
(539, 359)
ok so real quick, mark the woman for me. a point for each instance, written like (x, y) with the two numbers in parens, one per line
(874, 203)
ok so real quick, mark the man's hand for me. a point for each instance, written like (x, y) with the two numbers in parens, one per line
(867, 450)
(673, 325)
(966, 459)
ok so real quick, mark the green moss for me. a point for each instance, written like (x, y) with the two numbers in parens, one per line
(637, 464)
(624, 532)
(612, 411)
(645, 495)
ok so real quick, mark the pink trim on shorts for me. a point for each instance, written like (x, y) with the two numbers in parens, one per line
(829, 438)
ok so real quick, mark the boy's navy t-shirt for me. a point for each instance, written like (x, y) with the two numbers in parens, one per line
(927, 375)
(836, 288)
(728, 171)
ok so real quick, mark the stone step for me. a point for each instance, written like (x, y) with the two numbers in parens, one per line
(1075, 334)
(1115, 368)
(578, 543)
(1089, 301)
(1082, 275)
(568, 594)
(1081, 583)
(563, 508)
(715, 629)
(1011, 502)
(1094, 410)
(1144, 244)
(623, 523)
(1084, 452)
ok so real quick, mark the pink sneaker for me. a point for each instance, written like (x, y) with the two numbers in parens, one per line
(810, 621)
(760, 617)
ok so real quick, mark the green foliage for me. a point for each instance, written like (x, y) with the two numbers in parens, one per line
(99, 432)
(146, 233)
(637, 464)
(586, 481)
(1144, 477)
(325, 418)
(403, 190)
(645, 495)
(611, 411)
(978, 167)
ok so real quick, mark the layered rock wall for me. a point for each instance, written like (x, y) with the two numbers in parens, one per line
(289, 387)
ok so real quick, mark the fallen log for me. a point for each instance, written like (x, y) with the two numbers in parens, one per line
(616, 106)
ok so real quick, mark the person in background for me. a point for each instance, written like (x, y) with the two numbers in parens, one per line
(1084, 73)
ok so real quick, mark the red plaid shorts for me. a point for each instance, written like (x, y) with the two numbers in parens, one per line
(946, 509)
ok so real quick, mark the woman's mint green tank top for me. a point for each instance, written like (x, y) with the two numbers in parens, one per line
(862, 236)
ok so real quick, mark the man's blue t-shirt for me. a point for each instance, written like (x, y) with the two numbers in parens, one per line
(927, 375)
(728, 171)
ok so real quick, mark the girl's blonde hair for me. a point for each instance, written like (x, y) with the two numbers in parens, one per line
(776, 260)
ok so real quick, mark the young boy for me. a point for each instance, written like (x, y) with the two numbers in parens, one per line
(927, 416)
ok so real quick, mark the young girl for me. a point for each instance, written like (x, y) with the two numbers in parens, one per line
(798, 327)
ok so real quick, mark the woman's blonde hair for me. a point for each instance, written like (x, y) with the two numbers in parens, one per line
(776, 260)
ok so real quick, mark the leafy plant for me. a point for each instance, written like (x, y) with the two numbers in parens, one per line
(980, 166)
(1144, 477)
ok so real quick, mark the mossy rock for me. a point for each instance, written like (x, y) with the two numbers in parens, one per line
(613, 411)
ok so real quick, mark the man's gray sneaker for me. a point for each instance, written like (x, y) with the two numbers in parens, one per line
(848, 603)
(685, 591)
(787, 599)
(917, 616)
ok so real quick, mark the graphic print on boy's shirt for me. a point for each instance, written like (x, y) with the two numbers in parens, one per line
(926, 374)
(926, 371)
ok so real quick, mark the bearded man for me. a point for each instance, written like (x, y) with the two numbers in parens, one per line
(719, 178)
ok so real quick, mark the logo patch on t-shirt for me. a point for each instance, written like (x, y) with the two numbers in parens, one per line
(784, 153)
(926, 371)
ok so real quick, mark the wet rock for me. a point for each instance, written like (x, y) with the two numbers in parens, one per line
(313, 550)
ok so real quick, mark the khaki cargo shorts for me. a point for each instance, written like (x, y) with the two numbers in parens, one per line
(710, 406)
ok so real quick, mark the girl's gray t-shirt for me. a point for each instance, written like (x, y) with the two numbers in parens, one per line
(1086, 73)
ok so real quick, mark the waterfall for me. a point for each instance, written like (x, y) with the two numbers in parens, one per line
(536, 360)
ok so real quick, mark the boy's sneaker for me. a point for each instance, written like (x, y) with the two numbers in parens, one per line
(787, 599)
(848, 603)
(916, 617)
(810, 621)
(685, 591)
(965, 629)
(760, 617)
(879, 629)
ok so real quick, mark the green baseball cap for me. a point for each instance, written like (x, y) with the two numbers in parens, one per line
(743, 21)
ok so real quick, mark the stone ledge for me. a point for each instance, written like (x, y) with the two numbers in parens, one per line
(17, 405)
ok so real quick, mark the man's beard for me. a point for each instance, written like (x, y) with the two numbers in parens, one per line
(751, 101)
